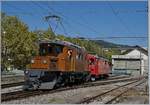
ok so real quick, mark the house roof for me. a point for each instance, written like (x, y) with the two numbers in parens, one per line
(137, 48)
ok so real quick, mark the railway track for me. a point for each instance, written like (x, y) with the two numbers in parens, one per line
(11, 85)
(22, 82)
(104, 97)
(24, 94)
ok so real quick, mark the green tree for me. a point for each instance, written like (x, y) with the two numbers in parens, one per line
(45, 34)
(17, 42)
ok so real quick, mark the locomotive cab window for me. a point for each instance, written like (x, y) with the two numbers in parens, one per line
(50, 49)
(58, 49)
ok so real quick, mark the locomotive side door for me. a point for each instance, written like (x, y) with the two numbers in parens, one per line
(69, 61)
(71, 56)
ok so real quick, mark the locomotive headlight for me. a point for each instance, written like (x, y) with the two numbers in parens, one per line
(44, 61)
(32, 61)
(26, 72)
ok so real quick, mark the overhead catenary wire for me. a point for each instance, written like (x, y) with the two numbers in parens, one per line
(23, 11)
(52, 8)
(56, 27)
(90, 38)
(109, 37)
(63, 27)
(35, 3)
(118, 17)
(91, 29)
(66, 20)
(86, 26)
(63, 20)
(19, 10)
(118, 37)
(45, 18)
(65, 32)
(51, 13)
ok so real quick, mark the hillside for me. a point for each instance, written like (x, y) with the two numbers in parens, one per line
(106, 44)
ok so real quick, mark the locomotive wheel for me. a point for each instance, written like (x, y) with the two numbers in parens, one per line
(25, 88)
(59, 82)
(35, 86)
(87, 78)
(106, 76)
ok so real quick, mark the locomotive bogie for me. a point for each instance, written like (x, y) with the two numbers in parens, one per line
(37, 79)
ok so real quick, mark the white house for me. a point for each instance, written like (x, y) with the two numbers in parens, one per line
(133, 61)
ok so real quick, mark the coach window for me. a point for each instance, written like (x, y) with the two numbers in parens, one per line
(80, 56)
(91, 61)
(109, 64)
(103, 62)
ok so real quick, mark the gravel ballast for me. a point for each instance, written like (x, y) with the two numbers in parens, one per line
(64, 97)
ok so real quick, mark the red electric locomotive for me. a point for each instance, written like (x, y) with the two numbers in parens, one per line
(99, 67)
(61, 63)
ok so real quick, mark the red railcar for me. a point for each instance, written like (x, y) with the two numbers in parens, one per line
(99, 67)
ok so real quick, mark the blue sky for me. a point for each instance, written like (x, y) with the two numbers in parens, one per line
(87, 19)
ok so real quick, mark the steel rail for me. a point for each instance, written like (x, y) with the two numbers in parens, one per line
(114, 98)
(11, 85)
(22, 82)
(88, 100)
(24, 94)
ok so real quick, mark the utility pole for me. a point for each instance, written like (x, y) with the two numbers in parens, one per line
(140, 65)
(149, 38)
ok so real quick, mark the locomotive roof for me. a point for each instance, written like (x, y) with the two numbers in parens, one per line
(100, 57)
(64, 43)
